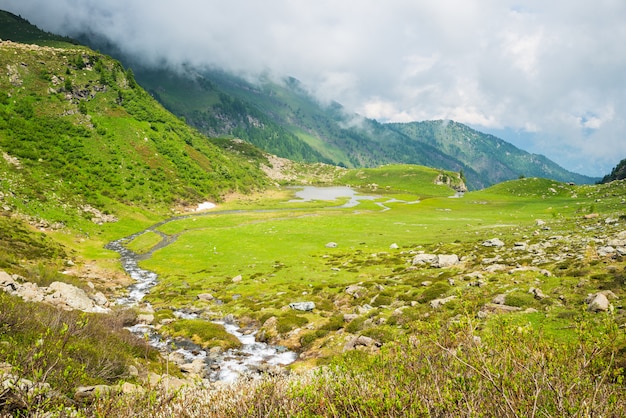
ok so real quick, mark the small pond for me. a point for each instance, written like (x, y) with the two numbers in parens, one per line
(311, 193)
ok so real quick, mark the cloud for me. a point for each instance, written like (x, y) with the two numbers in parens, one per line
(551, 69)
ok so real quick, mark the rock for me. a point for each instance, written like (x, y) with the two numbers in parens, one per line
(207, 297)
(361, 341)
(71, 297)
(446, 260)
(100, 299)
(421, 259)
(499, 299)
(495, 308)
(591, 216)
(331, 245)
(349, 317)
(93, 392)
(394, 246)
(195, 367)
(537, 293)
(606, 251)
(540, 222)
(493, 242)
(129, 388)
(302, 306)
(437, 303)
(145, 318)
(598, 303)
(237, 279)
(426, 283)
(356, 291)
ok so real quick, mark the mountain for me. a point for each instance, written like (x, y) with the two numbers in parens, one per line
(618, 173)
(77, 131)
(281, 117)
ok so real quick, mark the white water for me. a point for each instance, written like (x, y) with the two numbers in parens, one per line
(232, 364)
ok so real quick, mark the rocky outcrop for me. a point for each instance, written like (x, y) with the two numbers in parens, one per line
(62, 295)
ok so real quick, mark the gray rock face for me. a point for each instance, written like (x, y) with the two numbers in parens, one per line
(302, 306)
(493, 242)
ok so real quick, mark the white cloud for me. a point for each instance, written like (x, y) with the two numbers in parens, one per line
(551, 68)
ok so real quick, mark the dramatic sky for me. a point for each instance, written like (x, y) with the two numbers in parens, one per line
(548, 76)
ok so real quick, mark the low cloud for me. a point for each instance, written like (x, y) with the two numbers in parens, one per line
(553, 69)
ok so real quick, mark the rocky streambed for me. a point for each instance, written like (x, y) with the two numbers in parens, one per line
(250, 359)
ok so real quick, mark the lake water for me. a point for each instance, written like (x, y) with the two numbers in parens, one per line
(311, 193)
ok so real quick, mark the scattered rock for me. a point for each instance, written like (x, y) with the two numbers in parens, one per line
(86, 393)
(499, 299)
(356, 291)
(394, 246)
(606, 251)
(331, 245)
(537, 293)
(598, 303)
(237, 279)
(302, 306)
(496, 308)
(493, 242)
(207, 297)
(437, 303)
(361, 341)
(446, 260)
(421, 259)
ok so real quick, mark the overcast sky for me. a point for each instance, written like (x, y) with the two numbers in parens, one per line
(548, 76)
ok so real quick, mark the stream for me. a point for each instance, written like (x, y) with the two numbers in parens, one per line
(227, 366)
(218, 366)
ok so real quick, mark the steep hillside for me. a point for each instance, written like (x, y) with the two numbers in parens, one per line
(77, 130)
(618, 173)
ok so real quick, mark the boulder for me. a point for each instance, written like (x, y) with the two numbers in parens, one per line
(302, 306)
(493, 242)
(207, 297)
(437, 303)
(537, 293)
(361, 341)
(499, 299)
(331, 245)
(394, 246)
(446, 260)
(356, 291)
(598, 303)
(70, 297)
(421, 259)
(237, 279)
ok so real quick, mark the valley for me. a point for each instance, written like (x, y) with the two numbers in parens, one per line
(139, 257)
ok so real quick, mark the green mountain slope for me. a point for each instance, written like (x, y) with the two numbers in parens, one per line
(76, 129)
(494, 158)
(282, 118)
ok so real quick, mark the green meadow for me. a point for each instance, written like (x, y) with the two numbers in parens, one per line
(257, 258)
